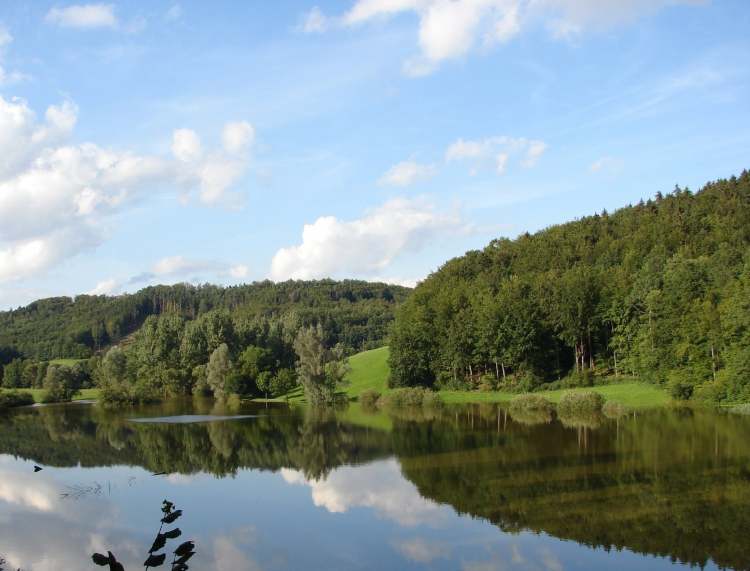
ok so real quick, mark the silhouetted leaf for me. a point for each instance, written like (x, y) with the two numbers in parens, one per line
(114, 564)
(100, 560)
(159, 542)
(171, 517)
(185, 558)
(185, 548)
(155, 560)
(174, 533)
(180, 567)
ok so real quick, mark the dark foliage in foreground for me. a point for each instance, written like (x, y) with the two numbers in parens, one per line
(181, 555)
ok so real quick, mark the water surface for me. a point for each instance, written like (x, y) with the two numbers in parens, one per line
(466, 488)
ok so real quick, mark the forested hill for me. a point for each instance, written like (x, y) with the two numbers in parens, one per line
(355, 313)
(659, 291)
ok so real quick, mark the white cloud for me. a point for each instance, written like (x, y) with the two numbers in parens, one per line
(216, 171)
(174, 13)
(379, 486)
(407, 173)
(367, 245)
(7, 77)
(495, 152)
(56, 198)
(451, 29)
(5, 37)
(106, 287)
(239, 271)
(186, 145)
(86, 16)
(421, 550)
(314, 22)
(237, 137)
(609, 165)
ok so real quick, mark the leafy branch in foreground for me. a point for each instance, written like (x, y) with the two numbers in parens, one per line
(181, 555)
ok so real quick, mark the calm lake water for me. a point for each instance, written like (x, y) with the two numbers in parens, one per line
(467, 488)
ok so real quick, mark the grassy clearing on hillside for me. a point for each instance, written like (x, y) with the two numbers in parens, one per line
(85, 394)
(369, 371)
(65, 362)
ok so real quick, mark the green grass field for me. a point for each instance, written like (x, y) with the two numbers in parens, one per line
(65, 362)
(369, 370)
(85, 394)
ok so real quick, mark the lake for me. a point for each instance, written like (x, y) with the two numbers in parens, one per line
(467, 488)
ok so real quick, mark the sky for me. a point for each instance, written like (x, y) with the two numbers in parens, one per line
(229, 142)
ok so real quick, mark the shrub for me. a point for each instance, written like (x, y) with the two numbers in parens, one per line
(432, 400)
(415, 396)
(369, 398)
(530, 402)
(680, 389)
(10, 399)
(612, 409)
(580, 402)
(581, 419)
(531, 416)
(741, 409)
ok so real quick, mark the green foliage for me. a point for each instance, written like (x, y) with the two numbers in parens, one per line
(613, 409)
(10, 399)
(658, 292)
(530, 402)
(61, 384)
(354, 313)
(218, 371)
(580, 402)
(410, 397)
(369, 398)
(320, 371)
(743, 409)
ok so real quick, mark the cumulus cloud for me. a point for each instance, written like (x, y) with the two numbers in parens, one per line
(421, 550)
(451, 29)
(379, 486)
(180, 268)
(314, 22)
(7, 77)
(366, 245)
(237, 137)
(216, 171)
(106, 287)
(85, 16)
(495, 152)
(174, 13)
(609, 165)
(407, 173)
(56, 197)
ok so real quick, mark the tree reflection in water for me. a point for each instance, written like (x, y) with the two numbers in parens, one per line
(672, 483)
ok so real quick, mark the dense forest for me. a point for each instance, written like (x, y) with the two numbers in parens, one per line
(659, 291)
(170, 340)
(355, 313)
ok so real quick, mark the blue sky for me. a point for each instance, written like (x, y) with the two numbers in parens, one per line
(157, 142)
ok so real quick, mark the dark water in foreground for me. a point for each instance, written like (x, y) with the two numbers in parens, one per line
(466, 488)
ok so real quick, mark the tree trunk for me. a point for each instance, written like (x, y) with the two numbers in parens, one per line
(503, 364)
(615, 354)
(713, 362)
(497, 370)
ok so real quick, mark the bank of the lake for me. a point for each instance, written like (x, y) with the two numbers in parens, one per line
(83, 394)
(369, 372)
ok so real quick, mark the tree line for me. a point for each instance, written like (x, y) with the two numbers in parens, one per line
(658, 291)
(355, 313)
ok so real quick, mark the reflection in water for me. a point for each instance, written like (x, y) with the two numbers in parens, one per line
(385, 492)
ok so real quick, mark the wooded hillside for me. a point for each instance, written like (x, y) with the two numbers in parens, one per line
(659, 291)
